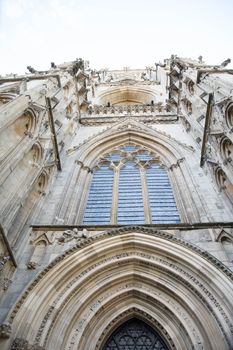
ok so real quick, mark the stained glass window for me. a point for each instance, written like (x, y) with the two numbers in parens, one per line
(130, 201)
(135, 335)
(162, 203)
(98, 209)
(131, 187)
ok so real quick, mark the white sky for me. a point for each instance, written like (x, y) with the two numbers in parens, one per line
(112, 33)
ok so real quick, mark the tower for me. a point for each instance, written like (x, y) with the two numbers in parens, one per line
(116, 207)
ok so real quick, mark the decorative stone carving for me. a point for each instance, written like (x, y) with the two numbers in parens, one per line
(119, 231)
(31, 265)
(224, 234)
(22, 344)
(6, 283)
(97, 110)
(74, 234)
(29, 134)
(5, 330)
(177, 164)
(19, 344)
(135, 311)
(3, 261)
(46, 237)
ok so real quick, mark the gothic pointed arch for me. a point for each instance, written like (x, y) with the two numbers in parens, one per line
(170, 153)
(135, 334)
(86, 293)
(128, 315)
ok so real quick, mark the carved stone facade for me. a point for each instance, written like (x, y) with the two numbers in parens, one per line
(69, 280)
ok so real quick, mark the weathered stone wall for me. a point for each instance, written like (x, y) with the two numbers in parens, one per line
(53, 135)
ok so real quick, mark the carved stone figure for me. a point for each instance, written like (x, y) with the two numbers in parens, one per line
(5, 330)
(74, 234)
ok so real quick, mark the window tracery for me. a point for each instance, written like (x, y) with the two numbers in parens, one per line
(135, 335)
(130, 185)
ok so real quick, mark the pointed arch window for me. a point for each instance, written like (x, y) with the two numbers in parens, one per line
(130, 186)
(136, 335)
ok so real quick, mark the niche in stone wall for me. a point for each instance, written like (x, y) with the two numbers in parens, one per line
(18, 183)
(126, 95)
(187, 105)
(226, 150)
(16, 132)
(227, 244)
(225, 237)
(69, 110)
(6, 97)
(186, 124)
(38, 254)
(223, 182)
(190, 86)
(27, 211)
(229, 115)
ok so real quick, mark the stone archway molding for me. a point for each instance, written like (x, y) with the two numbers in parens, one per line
(149, 272)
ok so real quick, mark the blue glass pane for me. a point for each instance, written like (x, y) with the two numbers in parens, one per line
(144, 156)
(99, 204)
(129, 148)
(162, 202)
(114, 156)
(130, 201)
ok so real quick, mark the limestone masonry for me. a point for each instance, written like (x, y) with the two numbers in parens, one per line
(116, 207)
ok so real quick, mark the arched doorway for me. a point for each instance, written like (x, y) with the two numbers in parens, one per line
(81, 298)
(134, 335)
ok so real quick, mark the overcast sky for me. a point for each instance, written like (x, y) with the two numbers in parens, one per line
(112, 33)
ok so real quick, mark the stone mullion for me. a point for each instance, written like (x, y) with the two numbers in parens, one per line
(63, 207)
(115, 196)
(81, 198)
(145, 195)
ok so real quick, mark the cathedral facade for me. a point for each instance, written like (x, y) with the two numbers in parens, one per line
(116, 215)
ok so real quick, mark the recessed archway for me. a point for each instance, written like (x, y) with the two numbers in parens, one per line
(85, 294)
(168, 150)
(125, 95)
(134, 334)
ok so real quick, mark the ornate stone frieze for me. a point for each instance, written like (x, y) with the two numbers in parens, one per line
(22, 344)
(99, 110)
(19, 344)
(70, 235)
